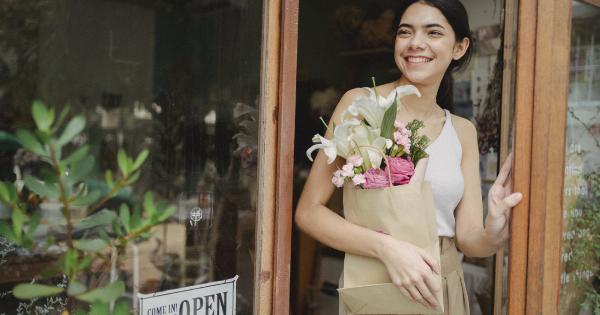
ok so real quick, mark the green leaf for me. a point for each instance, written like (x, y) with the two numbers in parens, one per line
(6, 231)
(149, 204)
(4, 195)
(7, 137)
(17, 223)
(104, 295)
(73, 128)
(136, 218)
(34, 221)
(100, 308)
(79, 312)
(103, 235)
(121, 308)
(108, 176)
(42, 116)
(81, 169)
(101, 218)
(77, 155)
(124, 215)
(41, 188)
(87, 199)
(122, 161)
(30, 142)
(91, 245)
(27, 291)
(387, 125)
(133, 178)
(69, 260)
(76, 288)
(63, 114)
(84, 263)
(140, 159)
(168, 212)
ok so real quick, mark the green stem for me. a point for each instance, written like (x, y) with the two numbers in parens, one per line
(63, 197)
(118, 186)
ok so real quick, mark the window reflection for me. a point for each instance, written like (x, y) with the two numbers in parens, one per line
(177, 77)
(580, 280)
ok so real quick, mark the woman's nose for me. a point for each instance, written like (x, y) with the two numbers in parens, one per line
(417, 41)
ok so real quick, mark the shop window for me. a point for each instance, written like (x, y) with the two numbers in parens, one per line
(178, 78)
(580, 277)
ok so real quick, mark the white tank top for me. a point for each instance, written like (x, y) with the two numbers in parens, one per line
(445, 175)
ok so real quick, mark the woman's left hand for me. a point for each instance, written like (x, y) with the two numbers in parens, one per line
(500, 202)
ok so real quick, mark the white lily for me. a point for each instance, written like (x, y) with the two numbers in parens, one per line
(372, 108)
(370, 145)
(328, 146)
(339, 145)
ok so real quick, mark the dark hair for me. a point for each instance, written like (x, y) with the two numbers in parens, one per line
(457, 17)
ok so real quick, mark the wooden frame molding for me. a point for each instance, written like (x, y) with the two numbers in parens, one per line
(551, 80)
(523, 114)
(267, 153)
(285, 157)
(276, 156)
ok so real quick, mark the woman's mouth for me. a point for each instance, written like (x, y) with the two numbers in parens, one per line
(416, 60)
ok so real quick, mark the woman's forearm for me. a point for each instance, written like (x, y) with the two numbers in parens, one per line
(479, 243)
(334, 231)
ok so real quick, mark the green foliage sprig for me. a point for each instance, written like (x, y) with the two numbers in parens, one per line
(62, 180)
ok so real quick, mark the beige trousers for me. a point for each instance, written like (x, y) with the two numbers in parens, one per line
(453, 282)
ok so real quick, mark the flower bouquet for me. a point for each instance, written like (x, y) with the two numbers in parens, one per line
(384, 190)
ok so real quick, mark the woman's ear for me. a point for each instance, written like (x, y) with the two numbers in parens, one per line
(460, 48)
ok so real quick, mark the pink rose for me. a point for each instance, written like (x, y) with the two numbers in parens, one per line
(355, 160)
(338, 179)
(402, 170)
(376, 178)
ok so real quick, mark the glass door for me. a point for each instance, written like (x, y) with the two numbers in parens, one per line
(580, 257)
(176, 80)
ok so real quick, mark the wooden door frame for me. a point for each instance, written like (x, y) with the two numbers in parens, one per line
(542, 79)
(276, 156)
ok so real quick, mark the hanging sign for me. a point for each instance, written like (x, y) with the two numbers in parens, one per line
(215, 298)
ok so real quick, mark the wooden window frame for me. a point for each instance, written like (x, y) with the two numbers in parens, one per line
(542, 80)
(276, 156)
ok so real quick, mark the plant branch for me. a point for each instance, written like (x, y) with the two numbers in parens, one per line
(63, 197)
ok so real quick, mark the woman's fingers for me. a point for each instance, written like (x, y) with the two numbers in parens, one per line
(511, 200)
(433, 264)
(404, 291)
(504, 171)
(427, 294)
(416, 295)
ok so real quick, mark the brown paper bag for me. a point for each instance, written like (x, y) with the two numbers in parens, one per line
(405, 212)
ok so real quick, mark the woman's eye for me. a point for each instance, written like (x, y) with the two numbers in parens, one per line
(436, 33)
(403, 32)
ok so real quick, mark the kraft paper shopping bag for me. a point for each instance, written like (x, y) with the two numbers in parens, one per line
(405, 212)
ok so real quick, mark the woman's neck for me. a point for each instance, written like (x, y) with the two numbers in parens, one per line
(420, 106)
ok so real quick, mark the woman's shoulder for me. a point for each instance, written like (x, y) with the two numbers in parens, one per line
(350, 96)
(465, 129)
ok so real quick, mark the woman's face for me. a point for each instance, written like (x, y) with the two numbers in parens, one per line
(425, 45)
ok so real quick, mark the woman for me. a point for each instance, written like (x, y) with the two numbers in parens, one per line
(433, 39)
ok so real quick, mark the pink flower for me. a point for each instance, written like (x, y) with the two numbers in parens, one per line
(403, 140)
(355, 160)
(358, 179)
(402, 170)
(376, 178)
(338, 179)
(399, 124)
(348, 170)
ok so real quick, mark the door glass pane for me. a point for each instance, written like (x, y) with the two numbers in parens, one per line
(580, 281)
(178, 78)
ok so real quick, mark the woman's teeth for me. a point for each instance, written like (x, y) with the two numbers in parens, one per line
(418, 59)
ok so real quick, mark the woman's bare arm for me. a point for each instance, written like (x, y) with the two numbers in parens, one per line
(473, 238)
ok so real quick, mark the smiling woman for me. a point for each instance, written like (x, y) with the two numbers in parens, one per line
(432, 40)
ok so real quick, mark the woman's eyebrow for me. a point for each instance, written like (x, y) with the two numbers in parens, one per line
(426, 25)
